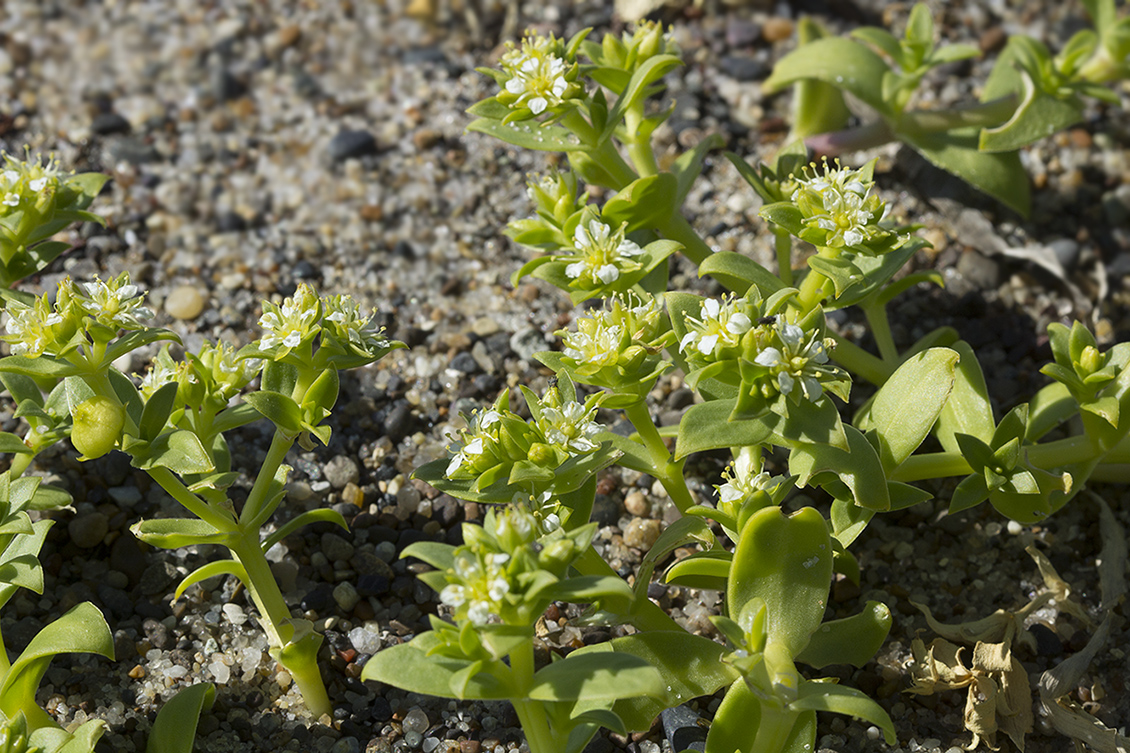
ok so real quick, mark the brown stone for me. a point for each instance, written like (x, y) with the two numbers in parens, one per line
(777, 29)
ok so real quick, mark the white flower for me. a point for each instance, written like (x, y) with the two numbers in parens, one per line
(721, 325)
(798, 362)
(453, 596)
(601, 254)
(347, 323)
(537, 75)
(292, 322)
(29, 329)
(475, 440)
(741, 481)
(113, 303)
(570, 427)
(839, 203)
(600, 345)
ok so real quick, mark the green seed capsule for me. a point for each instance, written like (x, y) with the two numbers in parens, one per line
(97, 426)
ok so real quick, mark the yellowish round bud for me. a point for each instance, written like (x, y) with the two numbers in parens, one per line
(97, 426)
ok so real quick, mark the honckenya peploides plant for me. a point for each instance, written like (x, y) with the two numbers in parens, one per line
(771, 379)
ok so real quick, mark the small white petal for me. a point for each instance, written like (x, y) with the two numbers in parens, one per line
(688, 339)
(769, 358)
(791, 335)
(516, 85)
(738, 324)
(707, 343)
(785, 382)
(608, 274)
(710, 308)
(538, 104)
(575, 270)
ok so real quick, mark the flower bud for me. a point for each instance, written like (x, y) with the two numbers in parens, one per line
(97, 426)
(1090, 360)
(542, 454)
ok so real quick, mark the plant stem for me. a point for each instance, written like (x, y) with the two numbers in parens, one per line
(264, 590)
(668, 471)
(851, 139)
(198, 507)
(532, 714)
(639, 149)
(1061, 452)
(813, 290)
(858, 361)
(774, 729)
(983, 114)
(876, 314)
(260, 492)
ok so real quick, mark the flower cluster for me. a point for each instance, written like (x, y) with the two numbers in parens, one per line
(801, 358)
(716, 334)
(601, 255)
(536, 77)
(618, 347)
(838, 207)
(296, 321)
(744, 478)
(98, 309)
(25, 183)
(115, 303)
(344, 322)
(498, 443)
(208, 379)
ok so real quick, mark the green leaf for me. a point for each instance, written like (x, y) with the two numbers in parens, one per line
(20, 560)
(682, 532)
(709, 569)
(1049, 407)
(409, 667)
(279, 409)
(842, 63)
(852, 640)
(136, 339)
(639, 86)
(597, 677)
(211, 570)
(157, 410)
(81, 630)
(907, 405)
(881, 39)
(12, 443)
(690, 666)
(601, 718)
(735, 722)
(529, 135)
(173, 533)
(320, 515)
(643, 203)
(43, 366)
(179, 451)
(999, 174)
(738, 272)
(586, 589)
(824, 696)
(1039, 115)
(859, 467)
(175, 727)
(967, 411)
(706, 426)
(785, 560)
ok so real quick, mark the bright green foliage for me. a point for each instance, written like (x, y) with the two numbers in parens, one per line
(175, 727)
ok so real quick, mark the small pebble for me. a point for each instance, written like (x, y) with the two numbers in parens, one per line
(346, 596)
(636, 504)
(184, 303)
(88, 530)
(777, 29)
(641, 533)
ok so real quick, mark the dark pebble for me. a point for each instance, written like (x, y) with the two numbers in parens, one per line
(1047, 642)
(605, 510)
(404, 249)
(105, 123)
(398, 423)
(380, 710)
(465, 363)
(410, 536)
(446, 509)
(116, 600)
(599, 744)
(318, 598)
(373, 585)
(742, 68)
(680, 724)
(349, 144)
(379, 533)
(226, 87)
(134, 152)
(230, 222)
(126, 557)
(157, 578)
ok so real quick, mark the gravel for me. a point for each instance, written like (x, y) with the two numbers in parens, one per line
(254, 145)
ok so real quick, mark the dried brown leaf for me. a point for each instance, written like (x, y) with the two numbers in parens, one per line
(1060, 589)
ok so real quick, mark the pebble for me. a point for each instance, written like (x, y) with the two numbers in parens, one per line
(350, 144)
(185, 303)
(88, 530)
(336, 548)
(636, 504)
(346, 596)
(234, 613)
(641, 533)
(776, 29)
(342, 470)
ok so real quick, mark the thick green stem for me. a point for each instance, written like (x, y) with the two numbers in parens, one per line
(813, 290)
(668, 471)
(858, 361)
(535, 723)
(19, 464)
(264, 590)
(198, 507)
(983, 114)
(260, 492)
(876, 314)
(639, 146)
(1061, 452)
(773, 729)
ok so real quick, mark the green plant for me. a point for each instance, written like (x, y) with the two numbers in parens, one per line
(1031, 94)
(768, 373)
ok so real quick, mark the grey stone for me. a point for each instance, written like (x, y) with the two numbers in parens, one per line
(342, 470)
(88, 530)
(157, 578)
(336, 548)
(349, 144)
